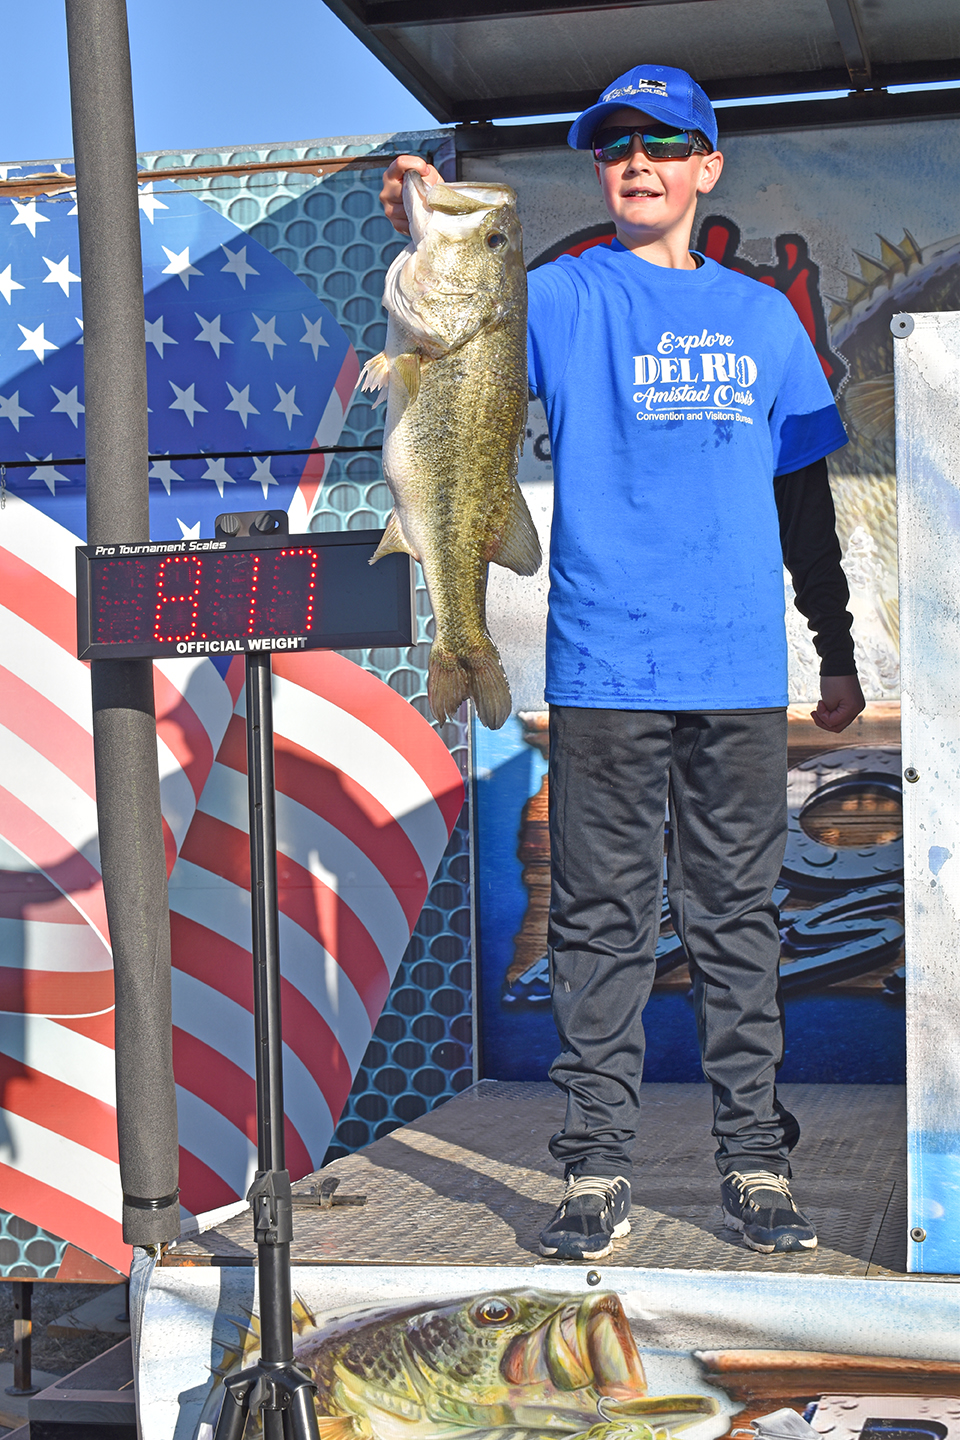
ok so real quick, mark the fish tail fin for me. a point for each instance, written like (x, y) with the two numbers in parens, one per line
(519, 547)
(453, 678)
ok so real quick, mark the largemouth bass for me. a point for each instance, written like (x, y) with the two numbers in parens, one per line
(521, 1365)
(455, 371)
(515, 1365)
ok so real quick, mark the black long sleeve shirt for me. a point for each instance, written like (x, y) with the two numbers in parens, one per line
(811, 553)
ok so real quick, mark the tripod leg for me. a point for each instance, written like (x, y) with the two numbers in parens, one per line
(273, 1424)
(233, 1412)
(300, 1419)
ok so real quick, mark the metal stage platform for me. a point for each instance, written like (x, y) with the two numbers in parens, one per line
(472, 1183)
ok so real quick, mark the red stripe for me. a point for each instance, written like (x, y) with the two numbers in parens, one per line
(45, 848)
(346, 381)
(169, 846)
(200, 1187)
(29, 895)
(234, 678)
(303, 898)
(384, 712)
(61, 1108)
(312, 477)
(47, 729)
(63, 1215)
(225, 967)
(346, 805)
(94, 1027)
(38, 600)
(180, 728)
(55, 992)
(231, 1091)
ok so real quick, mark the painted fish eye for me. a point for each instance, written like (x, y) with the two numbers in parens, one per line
(493, 1312)
(495, 239)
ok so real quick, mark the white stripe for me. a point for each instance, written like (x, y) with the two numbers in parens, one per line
(60, 1053)
(344, 741)
(331, 421)
(178, 801)
(62, 1164)
(46, 667)
(323, 850)
(51, 795)
(204, 690)
(227, 1027)
(53, 946)
(216, 1141)
(41, 542)
(225, 908)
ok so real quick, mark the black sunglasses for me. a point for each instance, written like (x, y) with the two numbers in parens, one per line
(660, 142)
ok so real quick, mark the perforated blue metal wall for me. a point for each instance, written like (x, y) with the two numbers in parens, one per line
(333, 234)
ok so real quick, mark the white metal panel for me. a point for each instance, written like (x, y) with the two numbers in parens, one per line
(927, 373)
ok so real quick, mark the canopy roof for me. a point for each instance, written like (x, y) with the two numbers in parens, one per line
(486, 59)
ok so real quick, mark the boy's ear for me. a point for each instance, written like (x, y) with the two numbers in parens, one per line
(709, 173)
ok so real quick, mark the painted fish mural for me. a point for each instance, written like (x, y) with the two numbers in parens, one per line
(515, 1365)
(455, 372)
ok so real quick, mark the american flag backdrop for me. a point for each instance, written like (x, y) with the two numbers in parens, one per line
(241, 356)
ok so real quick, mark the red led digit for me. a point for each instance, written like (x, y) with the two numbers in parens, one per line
(172, 623)
(252, 608)
(303, 592)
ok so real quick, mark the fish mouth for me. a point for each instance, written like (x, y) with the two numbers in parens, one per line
(589, 1344)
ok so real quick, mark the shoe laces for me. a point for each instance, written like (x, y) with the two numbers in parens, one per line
(581, 1185)
(761, 1180)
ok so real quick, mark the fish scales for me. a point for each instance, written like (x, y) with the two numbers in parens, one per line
(454, 368)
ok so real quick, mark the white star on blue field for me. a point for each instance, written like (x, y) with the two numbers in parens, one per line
(241, 355)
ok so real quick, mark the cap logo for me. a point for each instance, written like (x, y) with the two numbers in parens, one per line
(643, 87)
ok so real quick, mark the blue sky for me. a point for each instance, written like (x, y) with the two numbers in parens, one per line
(205, 73)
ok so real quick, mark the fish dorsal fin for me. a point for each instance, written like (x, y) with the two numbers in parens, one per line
(394, 541)
(453, 202)
(407, 367)
(519, 547)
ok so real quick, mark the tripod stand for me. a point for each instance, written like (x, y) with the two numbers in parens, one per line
(274, 1388)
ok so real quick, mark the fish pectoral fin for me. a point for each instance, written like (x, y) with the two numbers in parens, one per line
(519, 546)
(375, 375)
(394, 541)
(407, 367)
(337, 1427)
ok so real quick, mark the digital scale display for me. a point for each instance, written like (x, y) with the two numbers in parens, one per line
(237, 596)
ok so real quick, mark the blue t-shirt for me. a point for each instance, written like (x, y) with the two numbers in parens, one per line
(673, 398)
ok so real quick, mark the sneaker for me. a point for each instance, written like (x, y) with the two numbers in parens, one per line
(760, 1205)
(592, 1214)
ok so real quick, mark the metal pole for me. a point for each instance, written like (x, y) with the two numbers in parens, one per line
(274, 1389)
(133, 863)
(273, 1257)
(22, 1340)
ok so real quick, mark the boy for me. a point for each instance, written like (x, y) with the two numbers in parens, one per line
(689, 421)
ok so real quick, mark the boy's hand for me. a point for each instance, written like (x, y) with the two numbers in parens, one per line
(391, 196)
(841, 701)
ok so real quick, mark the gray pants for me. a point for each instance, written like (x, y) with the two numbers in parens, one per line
(611, 775)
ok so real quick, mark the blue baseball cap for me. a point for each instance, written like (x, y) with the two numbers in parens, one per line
(670, 96)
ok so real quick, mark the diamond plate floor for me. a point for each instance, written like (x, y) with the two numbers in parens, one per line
(472, 1183)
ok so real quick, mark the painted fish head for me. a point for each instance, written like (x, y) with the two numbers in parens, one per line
(466, 240)
(521, 1359)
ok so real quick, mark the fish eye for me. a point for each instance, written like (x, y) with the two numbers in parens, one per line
(493, 1312)
(495, 239)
